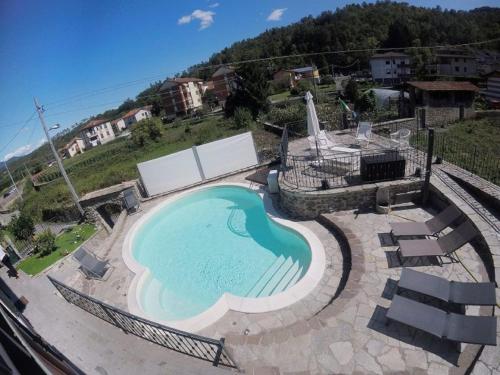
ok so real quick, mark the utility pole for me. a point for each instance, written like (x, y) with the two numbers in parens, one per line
(12, 180)
(72, 190)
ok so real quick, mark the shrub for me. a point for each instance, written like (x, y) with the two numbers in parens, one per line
(292, 114)
(144, 130)
(242, 118)
(304, 85)
(22, 227)
(327, 79)
(44, 243)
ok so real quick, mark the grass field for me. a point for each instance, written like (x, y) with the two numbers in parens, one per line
(110, 168)
(470, 144)
(65, 244)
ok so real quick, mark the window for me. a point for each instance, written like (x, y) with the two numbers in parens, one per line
(107, 132)
(457, 69)
(465, 69)
(393, 61)
(464, 59)
(456, 59)
(387, 62)
(388, 71)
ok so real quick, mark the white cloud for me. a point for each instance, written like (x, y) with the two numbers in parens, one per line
(24, 150)
(214, 5)
(276, 14)
(206, 18)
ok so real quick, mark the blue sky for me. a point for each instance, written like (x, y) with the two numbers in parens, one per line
(57, 49)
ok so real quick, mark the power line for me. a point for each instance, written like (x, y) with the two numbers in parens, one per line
(17, 133)
(271, 58)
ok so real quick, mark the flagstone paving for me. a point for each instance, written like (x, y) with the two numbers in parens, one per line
(340, 327)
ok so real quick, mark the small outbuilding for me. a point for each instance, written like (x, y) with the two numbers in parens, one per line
(440, 102)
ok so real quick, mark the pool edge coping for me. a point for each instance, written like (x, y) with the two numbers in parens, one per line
(227, 301)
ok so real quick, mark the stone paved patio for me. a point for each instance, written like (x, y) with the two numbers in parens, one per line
(340, 327)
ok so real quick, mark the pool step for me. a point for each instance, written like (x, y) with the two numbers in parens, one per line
(281, 274)
(280, 279)
(152, 296)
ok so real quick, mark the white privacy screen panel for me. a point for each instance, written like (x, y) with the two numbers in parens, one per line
(169, 172)
(227, 155)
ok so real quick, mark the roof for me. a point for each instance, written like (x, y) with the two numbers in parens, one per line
(178, 81)
(443, 86)
(70, 143)
(132, 112)
(94, 123)
(304, 69)
(223, 70)
(389, 54)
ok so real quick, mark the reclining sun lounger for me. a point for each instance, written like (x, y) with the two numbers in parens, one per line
(448, 291)
(429, 228)
(480, 330)
(443, 246)
(89, 264)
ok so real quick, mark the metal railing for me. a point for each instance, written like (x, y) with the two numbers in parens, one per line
(469, 157)
(200, 347)
(327, 172)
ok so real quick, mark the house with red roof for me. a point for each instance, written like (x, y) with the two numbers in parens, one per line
(439, 102)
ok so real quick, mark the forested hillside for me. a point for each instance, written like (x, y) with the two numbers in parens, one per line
(366, 26)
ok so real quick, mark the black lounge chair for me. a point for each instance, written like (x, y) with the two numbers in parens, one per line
(130, 201)
(443, 246)
(480, 330)
(481, 294)
(89, 264)
(429, 228)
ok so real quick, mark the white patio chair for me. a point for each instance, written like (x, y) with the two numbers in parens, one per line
(325, 143)
(364, 132)
(401, 138)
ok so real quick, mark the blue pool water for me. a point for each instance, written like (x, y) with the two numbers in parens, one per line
(213, 241)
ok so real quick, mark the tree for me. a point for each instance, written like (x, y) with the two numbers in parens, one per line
(44, 243)
(351, 91)
(399, 35)
(22, 227)
(145, 130)
(252, 90)
(366, 102)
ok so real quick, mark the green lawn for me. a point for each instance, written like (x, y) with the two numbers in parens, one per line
(109, 168)
(65, 244)
(281, 96)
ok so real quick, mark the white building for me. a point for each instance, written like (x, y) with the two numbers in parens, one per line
(453, 63)
(74, 147)
(492, 92)
(390, 67)
(135, 115)
(97, 132)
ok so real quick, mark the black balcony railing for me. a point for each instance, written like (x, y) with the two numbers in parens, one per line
(200, 347)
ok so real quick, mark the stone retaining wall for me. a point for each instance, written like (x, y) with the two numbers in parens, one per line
(445, 115)
(310, 204)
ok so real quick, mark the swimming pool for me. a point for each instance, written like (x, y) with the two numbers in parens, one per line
(211, 250)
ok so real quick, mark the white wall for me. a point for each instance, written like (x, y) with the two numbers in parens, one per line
(182, 169)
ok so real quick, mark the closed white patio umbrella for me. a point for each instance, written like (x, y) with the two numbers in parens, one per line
(312, 118)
